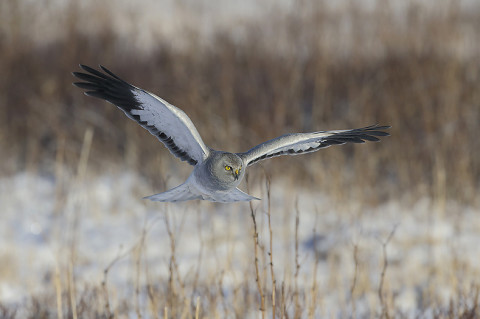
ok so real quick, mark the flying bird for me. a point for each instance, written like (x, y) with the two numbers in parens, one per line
(216, 174)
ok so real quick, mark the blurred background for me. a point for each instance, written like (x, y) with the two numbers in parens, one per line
(74, 169)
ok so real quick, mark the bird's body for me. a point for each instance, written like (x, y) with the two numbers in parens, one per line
(205, 181)
(216, 175)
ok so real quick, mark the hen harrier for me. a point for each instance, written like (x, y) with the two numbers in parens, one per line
(216, 174)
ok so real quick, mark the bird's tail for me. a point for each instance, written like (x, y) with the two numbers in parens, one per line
(234, 195)
(186, 192)
(180, 193)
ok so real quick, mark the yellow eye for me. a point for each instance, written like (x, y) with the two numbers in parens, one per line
(228, 168)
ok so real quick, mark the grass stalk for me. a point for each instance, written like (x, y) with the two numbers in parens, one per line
(255, 247)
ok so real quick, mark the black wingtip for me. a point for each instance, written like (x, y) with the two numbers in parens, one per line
(369, 133)
(376, 130)
(385, 127)
(83, 67)
(87, 68)
(110, 72)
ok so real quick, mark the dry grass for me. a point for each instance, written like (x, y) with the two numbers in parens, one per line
(233, 288)
(314, 68)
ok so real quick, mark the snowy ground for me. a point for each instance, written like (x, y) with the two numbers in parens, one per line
(46, 227)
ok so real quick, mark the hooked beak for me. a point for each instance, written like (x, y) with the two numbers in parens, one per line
(235, 174)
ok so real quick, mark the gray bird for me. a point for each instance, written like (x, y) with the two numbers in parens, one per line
(216, 174)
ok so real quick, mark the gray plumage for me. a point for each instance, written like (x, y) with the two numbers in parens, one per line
(216, 174)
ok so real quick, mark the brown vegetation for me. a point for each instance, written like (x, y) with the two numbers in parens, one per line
(251, 92)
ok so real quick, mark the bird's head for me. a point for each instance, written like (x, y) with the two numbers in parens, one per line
(229, 168)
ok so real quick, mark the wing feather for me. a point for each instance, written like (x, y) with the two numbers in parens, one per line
(300, 143)
(168, 123)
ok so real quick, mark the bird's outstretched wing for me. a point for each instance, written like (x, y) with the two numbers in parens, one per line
(300, 143)
(168, 123)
